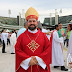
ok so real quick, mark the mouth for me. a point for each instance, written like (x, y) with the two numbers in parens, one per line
(32, 25)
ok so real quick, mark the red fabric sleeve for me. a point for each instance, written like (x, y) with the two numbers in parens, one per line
(20, 55)
(46, 55)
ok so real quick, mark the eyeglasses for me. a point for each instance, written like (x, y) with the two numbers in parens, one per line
(32, 21)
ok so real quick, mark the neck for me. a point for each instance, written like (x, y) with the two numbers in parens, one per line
(33, 31)
(57, 29)
(60, 28)
(69, 30)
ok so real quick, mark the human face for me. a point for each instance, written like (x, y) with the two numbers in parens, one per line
(32, 24)
(57, 28)
(4, 31)
(60, 26)
(68, 27)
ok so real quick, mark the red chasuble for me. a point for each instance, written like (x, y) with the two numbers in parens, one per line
(29, 44)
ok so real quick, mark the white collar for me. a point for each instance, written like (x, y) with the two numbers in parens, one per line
(35, 31)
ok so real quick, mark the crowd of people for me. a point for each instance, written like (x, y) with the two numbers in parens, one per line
(59, 37)
(36, 48)
(8, 38)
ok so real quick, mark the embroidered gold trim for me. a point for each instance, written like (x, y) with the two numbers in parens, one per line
(33, 45)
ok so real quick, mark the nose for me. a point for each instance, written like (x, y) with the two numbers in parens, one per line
(32, 22)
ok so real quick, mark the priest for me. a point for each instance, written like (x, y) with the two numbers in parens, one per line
(12, 42)
(70, 42)
(33, 51)
(57, 54)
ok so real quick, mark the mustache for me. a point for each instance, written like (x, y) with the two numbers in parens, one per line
(32, 24)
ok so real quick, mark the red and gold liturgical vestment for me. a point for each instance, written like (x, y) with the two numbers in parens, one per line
(37, 44)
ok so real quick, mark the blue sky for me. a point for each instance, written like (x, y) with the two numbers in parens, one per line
(42, 6)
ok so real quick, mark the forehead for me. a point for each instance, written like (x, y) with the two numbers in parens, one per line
(4, 30)
(31, 19)
(60, 24)
(68, 25)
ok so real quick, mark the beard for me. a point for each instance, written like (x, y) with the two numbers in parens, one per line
(32, 28)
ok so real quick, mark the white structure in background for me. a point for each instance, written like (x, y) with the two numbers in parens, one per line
(21, 18)
(56, 16)
(50, 19)
(9, 12)
(60, 12)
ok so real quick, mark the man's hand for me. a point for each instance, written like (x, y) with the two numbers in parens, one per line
(48, 33)
(70, 64)
(33, 61)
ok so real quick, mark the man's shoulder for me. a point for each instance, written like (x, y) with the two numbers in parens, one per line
(59, 30)
(42, 33)
(44, 30)
(22, 35)
(63, 29)
(22, 29)
(4, 33)
(55, 32)
(71, 33)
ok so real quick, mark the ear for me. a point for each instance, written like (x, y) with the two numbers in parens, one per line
(27, 23)
(37, 22)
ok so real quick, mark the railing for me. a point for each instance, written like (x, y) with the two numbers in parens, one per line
(10, 26)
